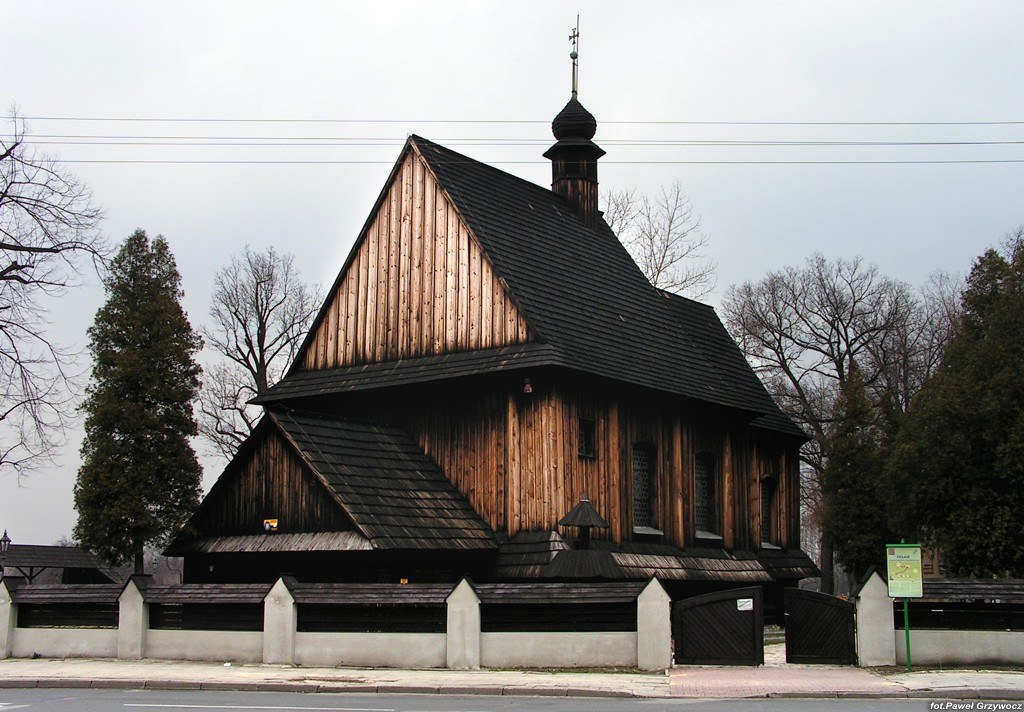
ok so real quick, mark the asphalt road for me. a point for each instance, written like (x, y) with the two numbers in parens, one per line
(56, 700)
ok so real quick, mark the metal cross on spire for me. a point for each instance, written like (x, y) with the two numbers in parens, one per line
(574, 55)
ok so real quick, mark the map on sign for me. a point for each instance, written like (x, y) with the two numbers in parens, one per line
(903, 565)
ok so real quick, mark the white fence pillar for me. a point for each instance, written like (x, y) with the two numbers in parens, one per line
(133, 620)
(876, 645)
(463, 639)
(8, 621)
(653, 628)
(280, 618)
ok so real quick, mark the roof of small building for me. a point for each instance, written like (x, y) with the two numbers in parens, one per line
(583, 515)
(57, 564)
(396, 495)
(584, 297)
(545, 555)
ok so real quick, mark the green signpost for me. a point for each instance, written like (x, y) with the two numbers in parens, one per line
(903, 574)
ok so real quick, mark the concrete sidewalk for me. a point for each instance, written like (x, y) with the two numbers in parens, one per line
(689, 682)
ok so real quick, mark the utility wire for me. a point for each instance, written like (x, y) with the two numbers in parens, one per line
(619, 163)
(152, 119)
(216, 141)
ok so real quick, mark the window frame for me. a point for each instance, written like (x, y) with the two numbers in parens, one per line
(714, 515)
(768, 534)
(585, 426)
(650, 528)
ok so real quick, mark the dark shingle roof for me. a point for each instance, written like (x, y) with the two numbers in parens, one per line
(303, 384)
(583, 294)
(278, 541)
(584, 297)
(395, 494)
(527, 553)
(32, 555)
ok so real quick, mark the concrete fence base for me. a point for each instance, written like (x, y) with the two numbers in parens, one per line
(462, 646)
(961, 647)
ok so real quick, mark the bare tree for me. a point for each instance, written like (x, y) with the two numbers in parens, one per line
(260, 312)
(48, 227)
(664, 237)
(910, 353)
(803, 329)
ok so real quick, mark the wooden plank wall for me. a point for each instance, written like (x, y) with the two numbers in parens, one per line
(515, 458)
(547, 477)
(771, 457)
(419, 284)
(466, 437)
(272, 482)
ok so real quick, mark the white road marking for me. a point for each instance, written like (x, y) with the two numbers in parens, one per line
(258, 707)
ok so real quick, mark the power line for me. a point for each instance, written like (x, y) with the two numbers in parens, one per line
(620, 163)
(152, 119)
(219, 141)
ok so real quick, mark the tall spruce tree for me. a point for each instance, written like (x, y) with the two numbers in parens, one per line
(958, 460)
(852, 482)
(139, 479)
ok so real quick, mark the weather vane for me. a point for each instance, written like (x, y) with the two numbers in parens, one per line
(574, 55)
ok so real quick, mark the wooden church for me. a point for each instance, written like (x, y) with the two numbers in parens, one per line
(493, 388)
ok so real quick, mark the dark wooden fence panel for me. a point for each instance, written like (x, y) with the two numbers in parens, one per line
(206, 616)
(961, 615)
(331, 618)
(721, 628)
(819, 628)
(68, 615)
(563, 617)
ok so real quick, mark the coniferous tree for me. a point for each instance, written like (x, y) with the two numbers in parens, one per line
(139, 479)
(957, 466)
(852, 482)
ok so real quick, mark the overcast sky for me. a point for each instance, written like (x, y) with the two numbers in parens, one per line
(354, 79)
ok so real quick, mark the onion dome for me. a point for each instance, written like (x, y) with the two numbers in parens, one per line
(574, 121)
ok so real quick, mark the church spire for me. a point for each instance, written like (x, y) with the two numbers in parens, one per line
(574, 156)
(574, 56)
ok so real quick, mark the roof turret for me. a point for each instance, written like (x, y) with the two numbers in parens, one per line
(574, 121)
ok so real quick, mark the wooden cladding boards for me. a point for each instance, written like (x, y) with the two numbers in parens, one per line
(418, 285)
(515, 457)
(270, 482)
(465, 437)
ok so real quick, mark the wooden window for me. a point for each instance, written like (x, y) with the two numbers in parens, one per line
(587, 444)
(643, 474)
(704, 489)
(767, 498)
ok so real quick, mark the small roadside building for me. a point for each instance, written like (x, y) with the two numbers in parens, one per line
(489, 357)
(52, 564)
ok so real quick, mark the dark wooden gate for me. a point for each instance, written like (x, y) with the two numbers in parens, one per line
(819, 628)
(722, 628)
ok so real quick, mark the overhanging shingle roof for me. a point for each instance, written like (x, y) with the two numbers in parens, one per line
(38, 556)
(584, 297)
(395, 494)
(304, 384)
(582, 292)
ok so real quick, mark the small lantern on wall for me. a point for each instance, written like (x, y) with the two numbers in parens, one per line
(269, 525)
(527, 387)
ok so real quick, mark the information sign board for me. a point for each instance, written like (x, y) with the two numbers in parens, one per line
(903, 564)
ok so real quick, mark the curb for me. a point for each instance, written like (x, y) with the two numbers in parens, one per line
(307, 688)
(953, 693)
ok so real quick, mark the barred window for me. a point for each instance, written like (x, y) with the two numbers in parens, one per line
(767, 494)
(704, 494)
(587, 446)
(643, 466)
